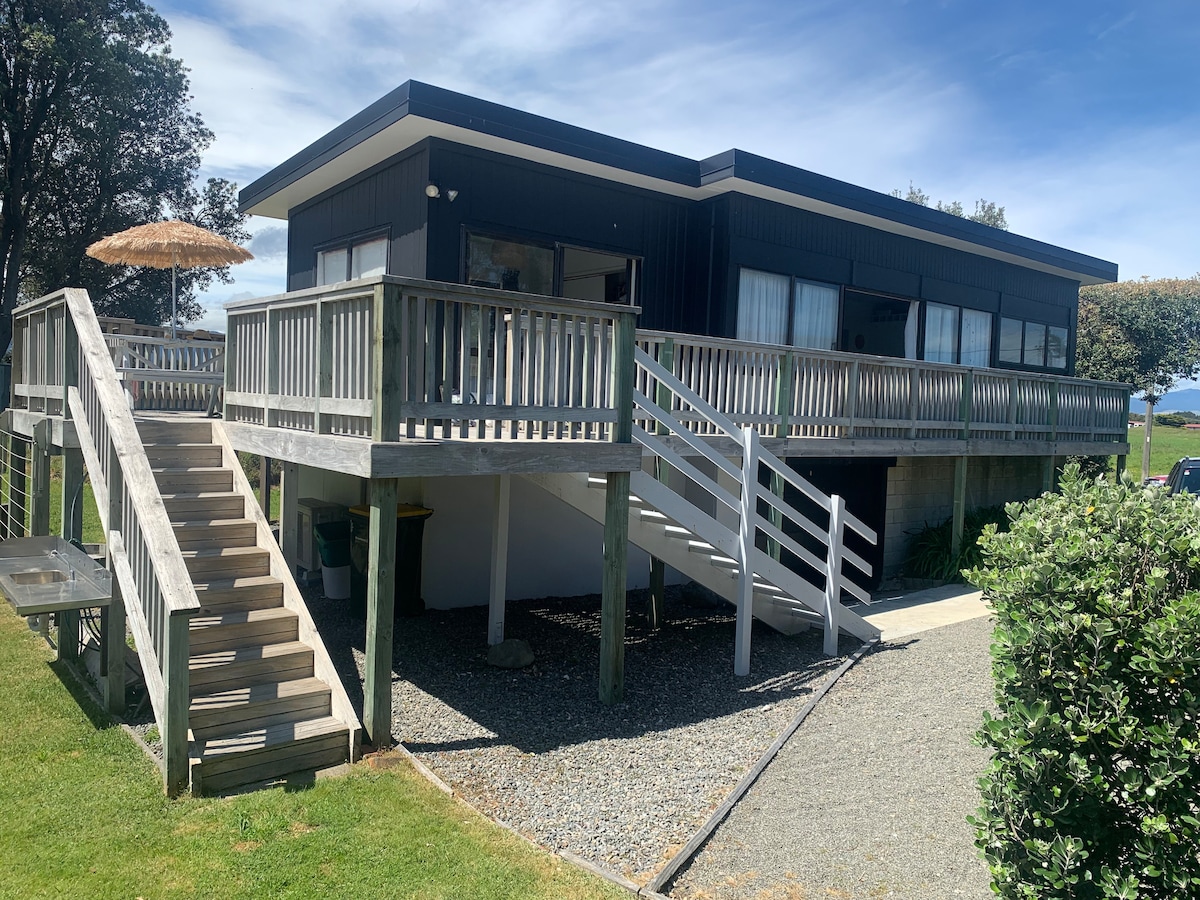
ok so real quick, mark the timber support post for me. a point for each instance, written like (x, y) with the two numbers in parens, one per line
(39, 494)
(960, 505)
(71, 527)
(386, 386)
(1048, 482)
(381, 610)
(662, 471)
(616, 522)
(499, 580)
(112, 651)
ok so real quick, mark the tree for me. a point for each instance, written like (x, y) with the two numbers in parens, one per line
(986, 212)
(96, 135)
(1145, 333)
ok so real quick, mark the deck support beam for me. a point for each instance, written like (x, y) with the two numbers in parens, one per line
(264, 486)
(381, 606)
(612, 602)
(499, 579)
(616, 521)
(1048, 482)
(960, 505)
(289, 535)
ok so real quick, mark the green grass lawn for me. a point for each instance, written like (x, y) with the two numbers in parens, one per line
(1167, 447)
(84, 816)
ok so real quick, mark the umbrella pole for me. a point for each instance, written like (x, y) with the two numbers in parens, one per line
(174, 316)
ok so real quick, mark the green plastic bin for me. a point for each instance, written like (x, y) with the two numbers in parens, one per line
(333, 543)
(410, 531)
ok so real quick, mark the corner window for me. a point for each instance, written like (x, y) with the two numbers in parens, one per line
(778, 309)
(1033, 344)
(356, 259)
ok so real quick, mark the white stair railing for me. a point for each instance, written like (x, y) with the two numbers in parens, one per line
(740, 543)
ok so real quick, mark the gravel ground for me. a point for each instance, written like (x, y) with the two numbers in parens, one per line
(621, 786)
(869, 797)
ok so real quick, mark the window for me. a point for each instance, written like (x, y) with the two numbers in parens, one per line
(510, 265)
(954, 335)
(976, 338)
(356, 259)
(777, 309)
(1033, 344)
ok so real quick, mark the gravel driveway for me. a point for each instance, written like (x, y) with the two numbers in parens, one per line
(869, 797)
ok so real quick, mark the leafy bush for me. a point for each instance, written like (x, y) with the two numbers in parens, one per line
(1093, 790)
(929, 549)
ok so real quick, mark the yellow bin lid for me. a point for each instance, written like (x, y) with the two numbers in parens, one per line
(403, 510)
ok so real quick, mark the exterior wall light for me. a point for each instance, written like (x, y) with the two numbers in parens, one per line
(432, 192)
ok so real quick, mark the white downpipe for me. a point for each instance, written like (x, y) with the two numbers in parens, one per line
(833, 575)
(745, 603)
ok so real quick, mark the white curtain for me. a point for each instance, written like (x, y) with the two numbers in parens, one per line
(762, 307)
(369, 258)
(941, 333)
(910, 330)
(331, 266)
(815, 321)
(976, 338)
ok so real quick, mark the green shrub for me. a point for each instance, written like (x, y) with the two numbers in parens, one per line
(1094, 784)
(929, 549)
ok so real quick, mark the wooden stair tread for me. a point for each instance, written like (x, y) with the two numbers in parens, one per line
(270, 690)
(223, 551)
(239, 617)
(272, 736)
(233, 584)
(208, 523)
(256, 652)
(201, 495)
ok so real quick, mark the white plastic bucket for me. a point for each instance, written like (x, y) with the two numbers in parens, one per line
(336, 580)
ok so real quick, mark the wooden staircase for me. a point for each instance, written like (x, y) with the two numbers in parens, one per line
(265, 700)
(782, 599)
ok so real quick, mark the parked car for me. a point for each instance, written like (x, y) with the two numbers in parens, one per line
(1155, 481)
(1184, 476)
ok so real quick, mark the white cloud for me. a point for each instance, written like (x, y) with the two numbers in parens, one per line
(836, 88)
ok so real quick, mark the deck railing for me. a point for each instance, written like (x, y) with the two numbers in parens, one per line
(164, 373)
(388, 357)
(455, 361)
(790, 392)
(64, 364)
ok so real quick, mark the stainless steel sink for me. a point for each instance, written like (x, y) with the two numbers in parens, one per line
(47, 574)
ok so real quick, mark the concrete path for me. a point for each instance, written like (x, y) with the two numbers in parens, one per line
(870, 797)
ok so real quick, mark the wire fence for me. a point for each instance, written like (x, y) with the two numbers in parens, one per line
(15, 492)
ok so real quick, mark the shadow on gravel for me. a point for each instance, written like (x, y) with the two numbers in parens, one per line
(678, 675)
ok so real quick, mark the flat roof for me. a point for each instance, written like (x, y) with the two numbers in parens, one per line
(416, 111)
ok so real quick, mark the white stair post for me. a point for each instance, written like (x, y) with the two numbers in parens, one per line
(745, 601)
(833, 575)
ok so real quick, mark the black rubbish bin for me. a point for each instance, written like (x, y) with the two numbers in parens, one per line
(333, 543)
(410, 530)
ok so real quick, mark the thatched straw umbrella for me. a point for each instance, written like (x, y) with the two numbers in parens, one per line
(172, 244)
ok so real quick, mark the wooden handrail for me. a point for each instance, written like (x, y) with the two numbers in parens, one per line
(155, 584)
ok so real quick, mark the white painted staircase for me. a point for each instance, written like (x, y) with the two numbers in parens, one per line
(719, 550)
(264, 698)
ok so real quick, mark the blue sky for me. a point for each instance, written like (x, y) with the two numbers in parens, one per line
(1082, 119)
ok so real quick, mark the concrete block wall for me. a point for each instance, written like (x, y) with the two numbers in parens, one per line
(921, 491)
